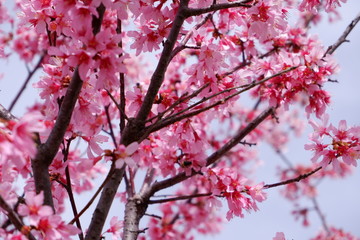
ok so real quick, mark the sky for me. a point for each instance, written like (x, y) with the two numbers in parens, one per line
(339, 199)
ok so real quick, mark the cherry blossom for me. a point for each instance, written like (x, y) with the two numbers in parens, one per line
(34, 208)
(341, 144)
(115, 226)
(123, 155)
(334, 233)
(279, 236)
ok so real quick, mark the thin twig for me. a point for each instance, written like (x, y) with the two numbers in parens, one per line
(93, 197)
(28, 78)
(342, 38)
(242, 133)
(292, 180)
(153, 215)
(112, 134)
(69, 188)
(313, 199)
(14, 218)
(182, 99)
(122, 83)
(179, 198)
(321, 215)
(178, 117)
(117, 105)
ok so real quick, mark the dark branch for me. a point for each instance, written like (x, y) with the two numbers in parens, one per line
(122, 84)
(187, 37)
(321, 215)
(216, 155)
(216, 7)
(86, 207)
(14, 218)
(179, 198)
(297, 179)
(342, 38)
(158, 76)
(69, 190)
(5, 114)
(47, 151)
(30, 74)
(178, 117)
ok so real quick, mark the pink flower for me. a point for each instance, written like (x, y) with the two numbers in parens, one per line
(23, 131)
(322, 128)
(256, 192)
(123, 155)
(334, 234)
(115, 227)
(279, 236)
(94, 145)
(34, 207)
(344, 144)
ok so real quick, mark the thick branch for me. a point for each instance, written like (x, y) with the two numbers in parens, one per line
(133, 129)
(134, 210)
(158, 76)
(122, 83)
(47, 151)
(104, 204)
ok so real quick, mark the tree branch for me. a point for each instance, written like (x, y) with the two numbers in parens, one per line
(187, 37)
(6, 114)
(179, 198)
(132, 132)
(215, 7)
(122, 83)
(321, 215)
(30, 74)
(297, 179)
(14, 218)
(106, 193)
(331, 49)
(178, 117)
(158, 76)
(69, 190)
(47, 151)
(243, 132)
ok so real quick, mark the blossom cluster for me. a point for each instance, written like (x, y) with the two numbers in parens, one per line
(17, 145)
(42, 222)
(239, 196)
(332, 234)
(334, 145)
